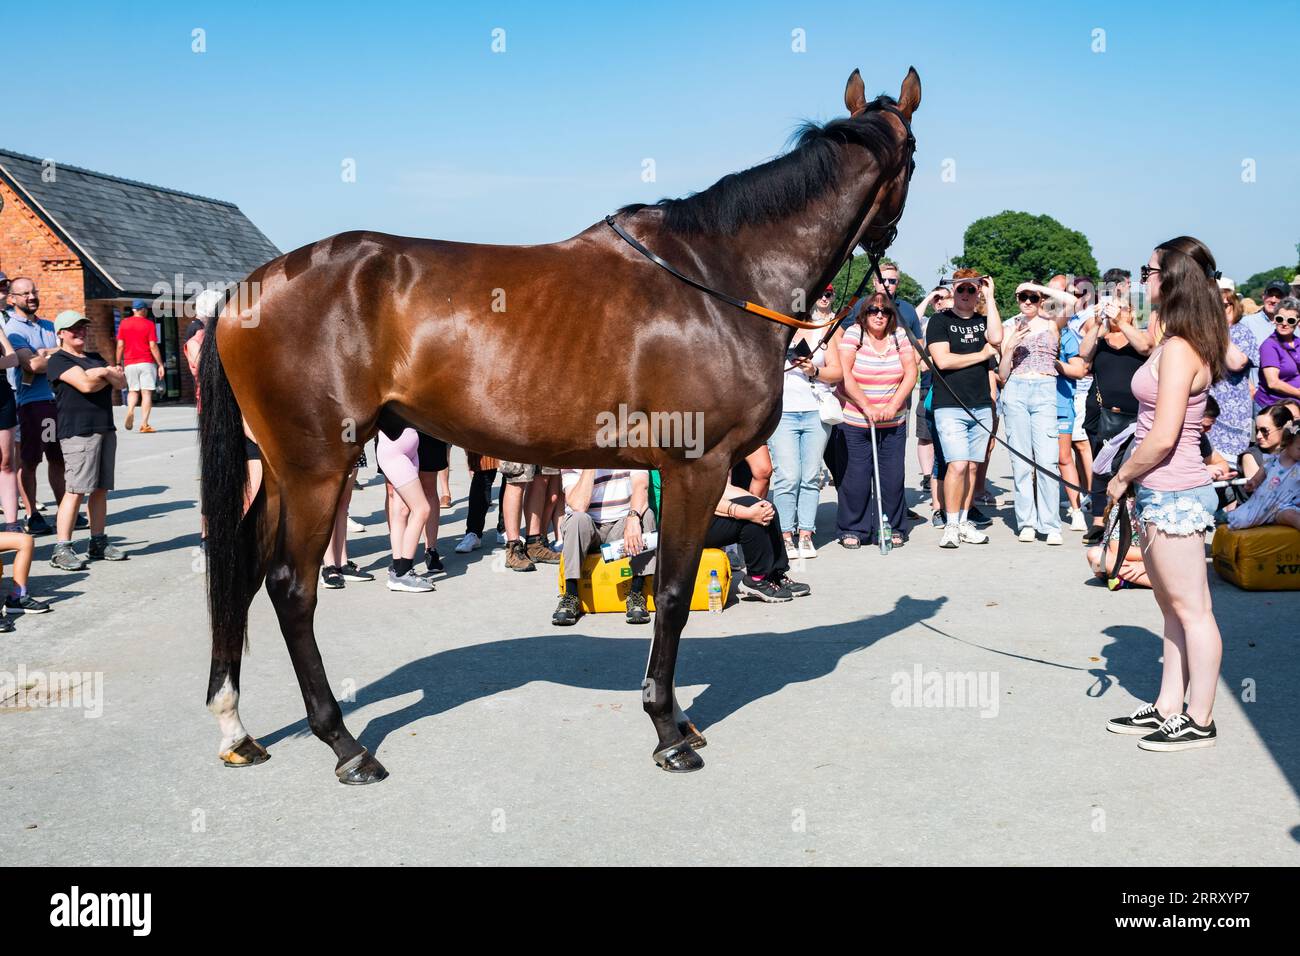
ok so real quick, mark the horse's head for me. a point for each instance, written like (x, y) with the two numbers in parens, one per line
(880, 220)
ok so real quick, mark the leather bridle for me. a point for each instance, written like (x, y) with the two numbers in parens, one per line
(875, 248)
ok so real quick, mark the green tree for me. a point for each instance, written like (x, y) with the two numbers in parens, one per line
(851, 273)
(1253, 288)
(1016, 247)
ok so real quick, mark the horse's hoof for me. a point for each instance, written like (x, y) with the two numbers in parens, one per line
(247, 753)
(360, 769)
(679, 758)
(692, 735)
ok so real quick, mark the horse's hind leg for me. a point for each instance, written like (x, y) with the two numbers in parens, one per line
(238, 748)
(307, 504)
(690, 495)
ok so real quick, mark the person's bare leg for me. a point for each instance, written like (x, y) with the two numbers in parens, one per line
(1290, 518)
(396, 512)
(132, 400)
(254, 481)
(1083, 452)
(535, 503)
(955, 487)
(512, 509)
(444, 486)
(337, 553)
(416, 507)
(1065, 462)
(67, 515)
(430, 484)
(146, 406)
(1176, 566)
(97, 510)
(8, 477)
(925, 457)
(972, 482)
(54, 472)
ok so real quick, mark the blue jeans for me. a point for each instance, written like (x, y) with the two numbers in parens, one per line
(1029, 405)
(960, 435)
(796, 448)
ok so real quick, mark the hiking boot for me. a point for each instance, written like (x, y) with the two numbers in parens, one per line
(796, 588)
(637, 612)
(542, 553)
(37, 525)
(766, 590)
(331, 577)
(350, 572)
(517, 557)
(27, 604)
(101, 550)
(66, 559)
(568, 610)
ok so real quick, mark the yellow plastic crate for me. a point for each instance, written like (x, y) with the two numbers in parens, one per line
(604, 585)
(1266, 558)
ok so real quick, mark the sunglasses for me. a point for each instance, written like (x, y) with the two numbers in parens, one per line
(877, 310)
(826, 295)
(1283, 320)
(1028, 297)
(966, 290)
(1265, 431)
(1146, 272)
(891, 282)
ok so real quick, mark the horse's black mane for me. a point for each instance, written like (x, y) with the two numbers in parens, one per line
(780, 186)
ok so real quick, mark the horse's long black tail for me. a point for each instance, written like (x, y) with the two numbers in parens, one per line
(233, 558)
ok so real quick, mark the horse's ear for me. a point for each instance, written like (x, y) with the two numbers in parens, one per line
(910, 96)
(855, 94)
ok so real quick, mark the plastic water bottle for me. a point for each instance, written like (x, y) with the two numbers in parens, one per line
(886, 536)
(715, 593)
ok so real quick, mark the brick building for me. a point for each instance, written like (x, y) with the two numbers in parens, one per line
(94, 242)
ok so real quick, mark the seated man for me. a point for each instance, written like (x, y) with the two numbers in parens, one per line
(600, 505)
(742, 518)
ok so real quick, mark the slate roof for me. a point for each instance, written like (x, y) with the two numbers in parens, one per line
(134, 234)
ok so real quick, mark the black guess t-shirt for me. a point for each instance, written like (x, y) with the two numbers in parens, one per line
(80, 413)
(962, 336)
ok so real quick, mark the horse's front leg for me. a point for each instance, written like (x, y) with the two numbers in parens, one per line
(690, 494)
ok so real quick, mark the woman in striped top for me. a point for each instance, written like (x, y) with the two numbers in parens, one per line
(877, 370)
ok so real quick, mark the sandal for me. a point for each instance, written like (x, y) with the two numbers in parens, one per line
(850, 541)
(896, 540)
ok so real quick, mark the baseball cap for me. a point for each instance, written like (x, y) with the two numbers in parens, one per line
(1227, 285)
(1280, 286)
(138, 304)
(67, 319)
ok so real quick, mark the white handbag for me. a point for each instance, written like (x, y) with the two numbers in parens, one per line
(828, 406)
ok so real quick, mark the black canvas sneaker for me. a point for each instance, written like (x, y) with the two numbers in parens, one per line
(1180, 732)
(331, 577)
(1142, 721)
(350, 572)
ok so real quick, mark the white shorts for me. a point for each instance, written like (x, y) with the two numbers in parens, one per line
(141, 377)
(1080, 401)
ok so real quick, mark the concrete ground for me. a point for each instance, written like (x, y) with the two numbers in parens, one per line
(510, 741)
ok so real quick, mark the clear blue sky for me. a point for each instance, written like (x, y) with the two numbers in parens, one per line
(1132, 146)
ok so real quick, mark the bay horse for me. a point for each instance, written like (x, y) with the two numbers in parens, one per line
(363, 331)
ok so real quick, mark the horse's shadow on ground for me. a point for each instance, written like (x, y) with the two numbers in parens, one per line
(738, 670)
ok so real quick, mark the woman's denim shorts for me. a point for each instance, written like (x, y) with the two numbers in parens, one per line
(1177, 512)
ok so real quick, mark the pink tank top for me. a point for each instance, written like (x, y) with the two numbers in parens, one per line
(1182, 468)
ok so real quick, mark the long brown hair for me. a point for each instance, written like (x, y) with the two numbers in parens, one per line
(1190, 303)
